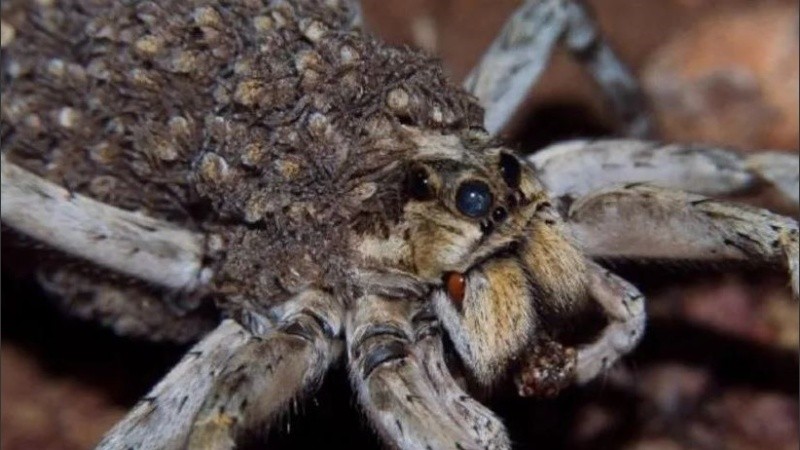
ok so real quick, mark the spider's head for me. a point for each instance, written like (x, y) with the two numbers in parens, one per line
(479, 227)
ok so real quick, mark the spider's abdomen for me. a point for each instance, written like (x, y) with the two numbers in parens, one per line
(274, 122)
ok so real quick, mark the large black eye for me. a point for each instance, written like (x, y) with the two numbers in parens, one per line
(509, 168)
(418, 184)
(474, 198)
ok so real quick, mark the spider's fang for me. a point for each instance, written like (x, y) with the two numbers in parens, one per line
(456, 287)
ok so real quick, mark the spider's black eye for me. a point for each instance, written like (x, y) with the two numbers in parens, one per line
(418, 184)
(474, 198)
(509, 168)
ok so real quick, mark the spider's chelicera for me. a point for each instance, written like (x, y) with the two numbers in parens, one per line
(266, 179)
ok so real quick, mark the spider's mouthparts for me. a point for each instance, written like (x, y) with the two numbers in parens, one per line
(456, 285)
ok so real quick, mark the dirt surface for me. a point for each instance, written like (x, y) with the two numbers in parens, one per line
(46, 411)
(718, 367)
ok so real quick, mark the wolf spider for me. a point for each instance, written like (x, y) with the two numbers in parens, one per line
(328, 197)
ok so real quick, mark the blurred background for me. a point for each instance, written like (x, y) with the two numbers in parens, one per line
(718, 368)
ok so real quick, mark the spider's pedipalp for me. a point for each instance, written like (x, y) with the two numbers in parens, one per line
(233, 381)
(399, 372)
(624, 306)
(640, 222)
(124, 241)
(550, 366)
(579, 167)
(519, 54)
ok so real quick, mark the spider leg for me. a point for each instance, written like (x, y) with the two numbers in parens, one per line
(398, 369)
(124, 241)
(233, 381)
(485, 428)
(519, 54)
(624, 307)
(580, 167)
(643, 222)
(549, 366)
(356, 14)
(130, 308)
(163, 418)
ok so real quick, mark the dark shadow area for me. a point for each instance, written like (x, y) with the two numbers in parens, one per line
(556, 122)
(124, 368)
(732, 360)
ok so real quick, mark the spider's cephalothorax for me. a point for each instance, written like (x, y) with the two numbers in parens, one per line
(264, 177)
(479, 228)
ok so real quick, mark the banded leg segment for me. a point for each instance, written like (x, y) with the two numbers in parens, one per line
(643, 222)
(584, 40)
(163, 418)
(625, 309)
(517, 57)
(580, 167)
(124, 241)
(486, 428)
(234, 381)
(403, 383)
(549, 367)
(260, 381)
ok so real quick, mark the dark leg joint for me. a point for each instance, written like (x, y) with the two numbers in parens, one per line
(377, 331)
(323, 324)
(301, 328)
(381, 353)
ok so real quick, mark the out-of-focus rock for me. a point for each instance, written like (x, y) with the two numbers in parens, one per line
(780, 312)
(673, 389)
(659, 443)
(730, 79)
(757, 420)
(593, 420)
(762, 311)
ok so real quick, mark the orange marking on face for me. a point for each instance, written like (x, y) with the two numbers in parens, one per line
(456, 286)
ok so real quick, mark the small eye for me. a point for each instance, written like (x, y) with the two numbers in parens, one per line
(474, 198)
(499, 214)
(418, 184)
(510, 169)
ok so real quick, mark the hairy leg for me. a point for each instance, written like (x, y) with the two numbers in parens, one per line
(260, 381)
(163, 418)
(642, 222)
(129, 308)
(234, 381)
(485, 427)
(518, 56)
(398, 370)
(550, 367)
(625, 309)
(124, 241)
(577, 168)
